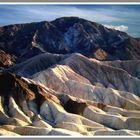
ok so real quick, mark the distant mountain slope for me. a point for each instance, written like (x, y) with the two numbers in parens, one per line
(67, 35)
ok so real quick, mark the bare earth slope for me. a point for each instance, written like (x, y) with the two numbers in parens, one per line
(27, 108)
(75, 93)
(68, 77)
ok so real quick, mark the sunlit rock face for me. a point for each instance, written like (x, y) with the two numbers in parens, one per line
(28, 107)
(68, 77)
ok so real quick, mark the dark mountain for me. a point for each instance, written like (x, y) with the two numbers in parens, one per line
(67, 35)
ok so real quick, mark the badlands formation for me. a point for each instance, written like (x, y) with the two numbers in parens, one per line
(68, 77)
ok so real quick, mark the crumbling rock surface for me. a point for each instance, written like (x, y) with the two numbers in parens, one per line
(62, 101)
(68, 77)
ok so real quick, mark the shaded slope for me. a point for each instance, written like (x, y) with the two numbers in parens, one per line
(131, 66)
(36, 64)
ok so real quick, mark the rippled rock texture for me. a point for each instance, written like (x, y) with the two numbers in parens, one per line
(68, 77)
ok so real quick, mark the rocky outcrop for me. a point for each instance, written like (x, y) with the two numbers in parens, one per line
(6, 60)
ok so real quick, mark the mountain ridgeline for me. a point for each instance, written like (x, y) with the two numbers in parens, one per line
(68, 35)
(69, 77)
